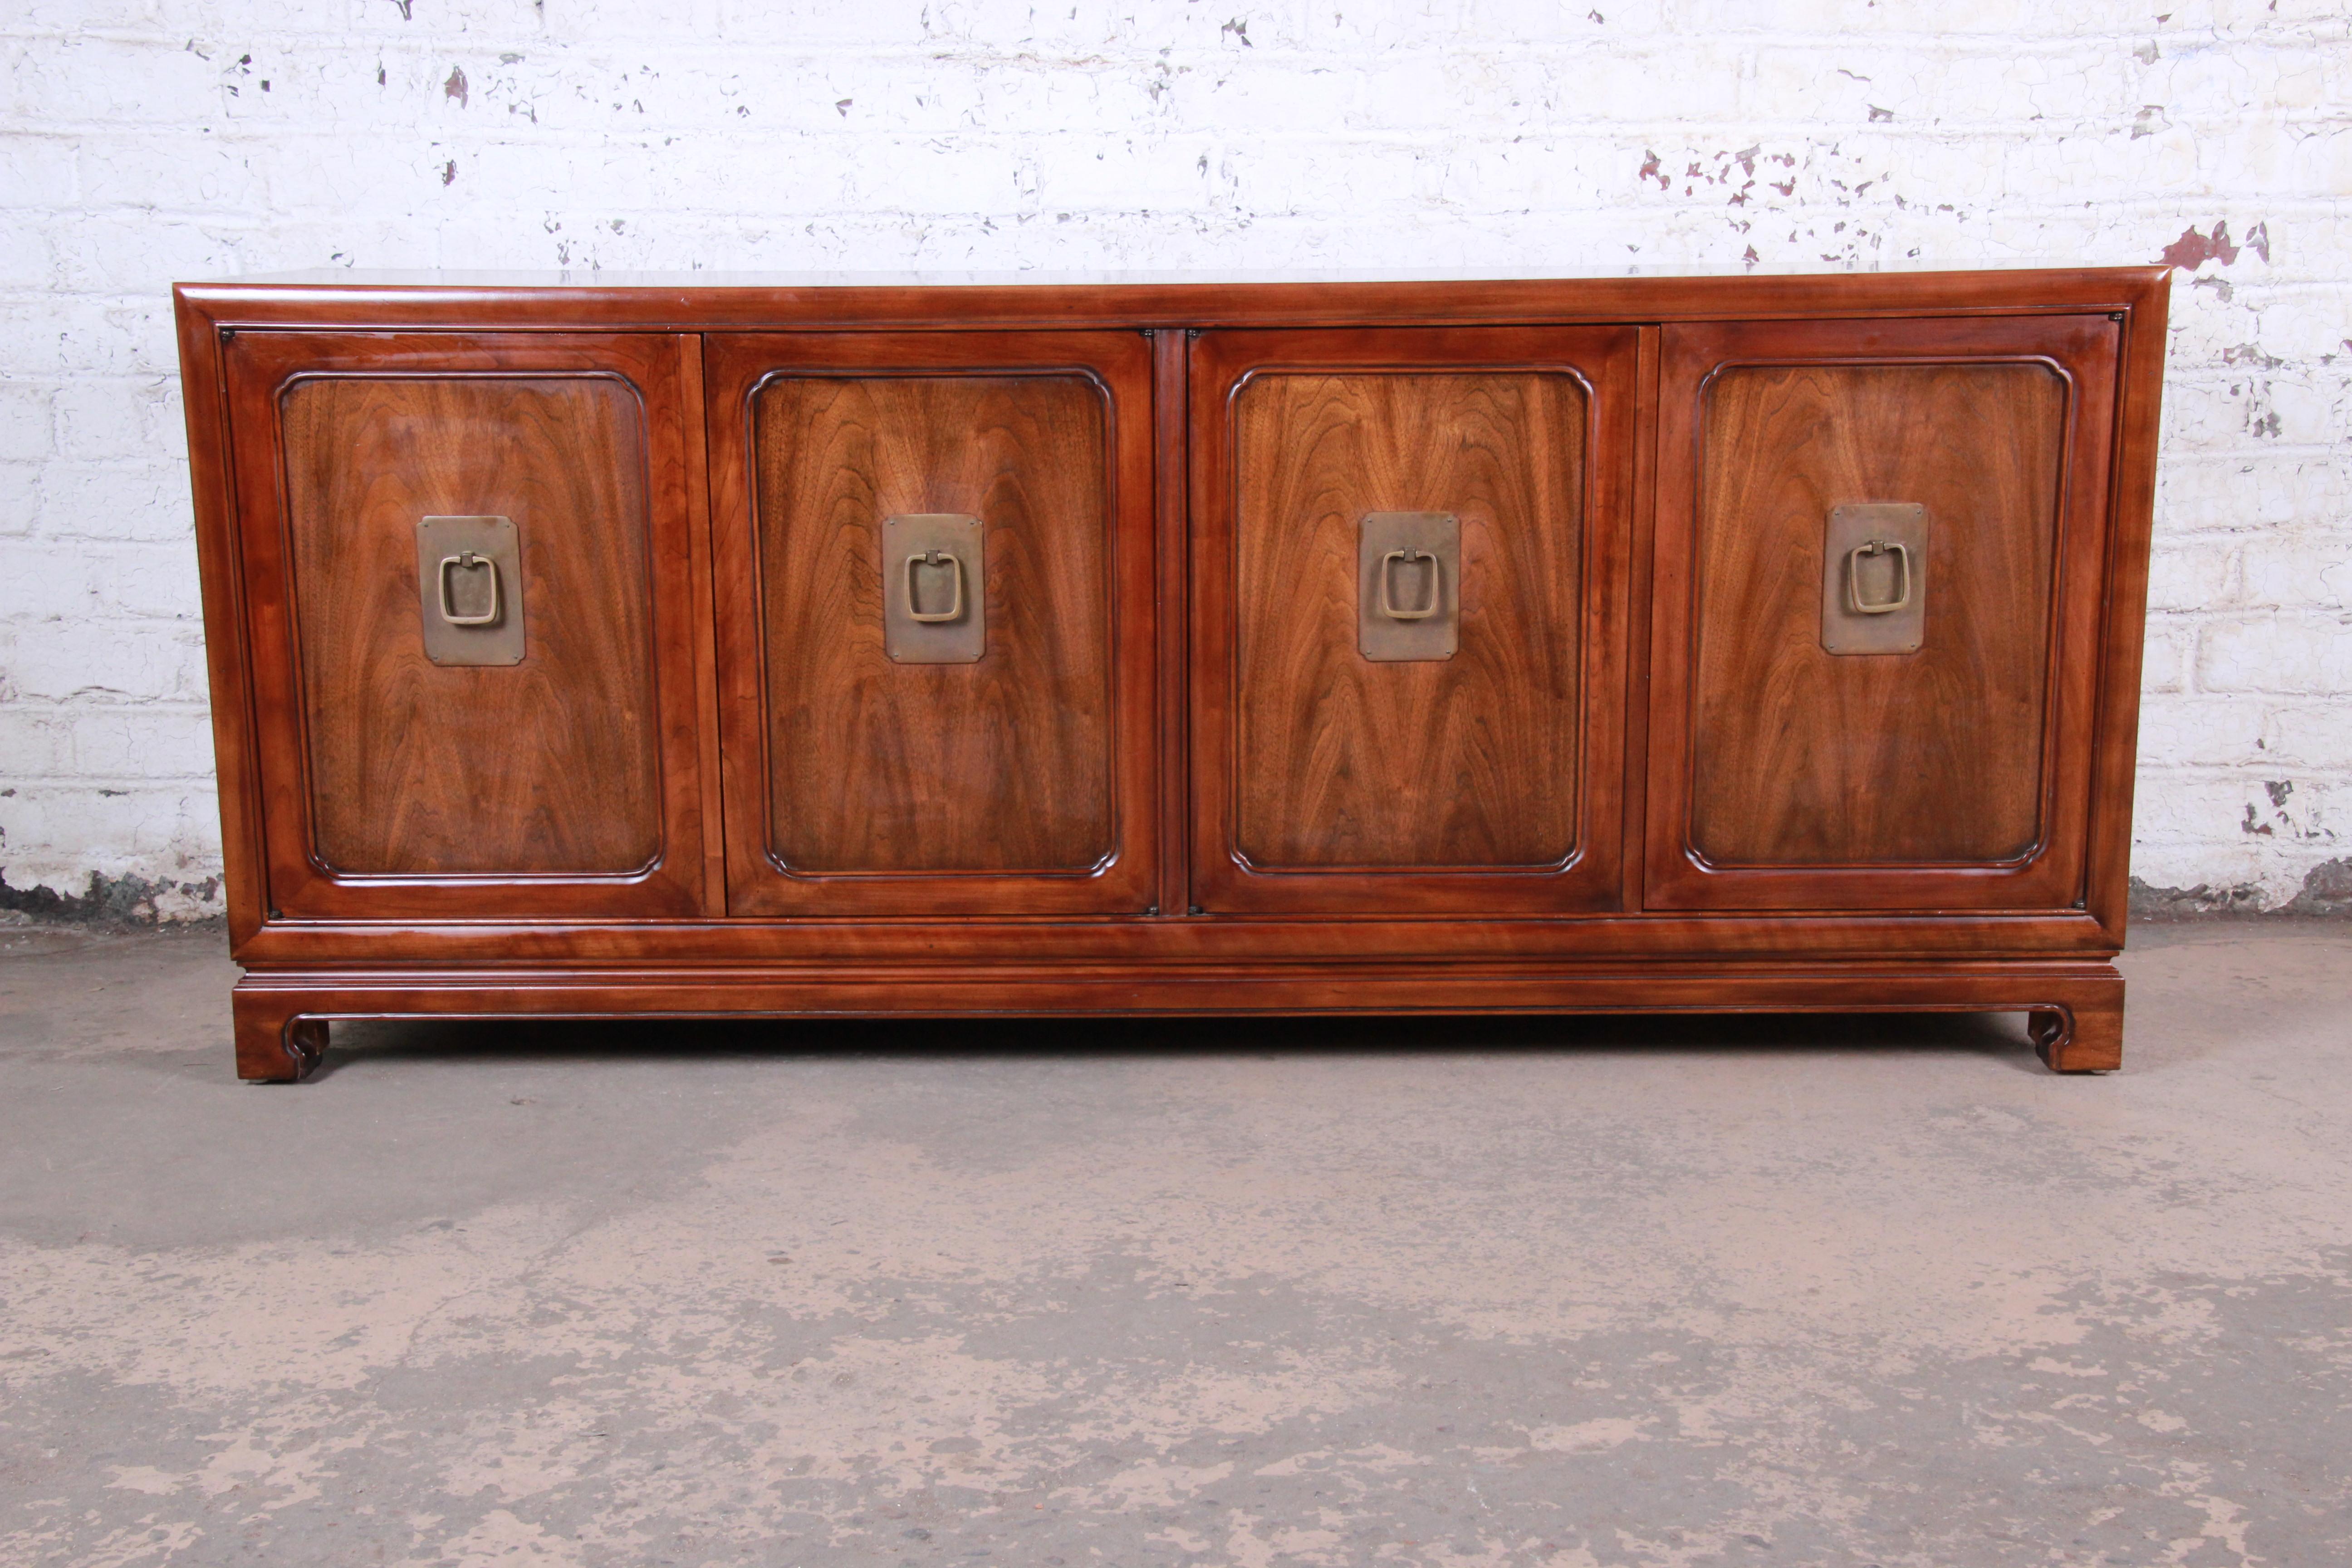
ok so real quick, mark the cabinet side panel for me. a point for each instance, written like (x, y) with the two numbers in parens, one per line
(211, 467)
(875, 766)
(546, 766)
(1805, 757)
(1470, 760)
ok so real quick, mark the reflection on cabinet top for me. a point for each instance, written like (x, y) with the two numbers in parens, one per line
(698, 300)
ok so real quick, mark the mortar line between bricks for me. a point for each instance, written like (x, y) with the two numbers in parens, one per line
(2217, 533)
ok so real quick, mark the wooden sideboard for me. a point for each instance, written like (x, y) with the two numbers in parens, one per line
(848, 646)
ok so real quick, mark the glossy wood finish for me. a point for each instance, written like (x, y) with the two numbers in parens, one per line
(2077, 1008)
(1487, 781)
(709, 303)
(1466, 760)
(220, 577)
(1801, 757)
(1782, 777)
(1127, 943)
(425, 769)
(2122, 620)
(565, 784)
(874, 765)
(1019, 783)
(1650, 929)
(1170, 493)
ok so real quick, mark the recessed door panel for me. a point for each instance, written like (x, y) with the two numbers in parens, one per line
(423, 768)
(1409, 542)
(878, 765)
(469, 559)
(1865, 534)
(944, 611)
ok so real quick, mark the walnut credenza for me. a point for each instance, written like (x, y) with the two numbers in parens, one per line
(854, 647)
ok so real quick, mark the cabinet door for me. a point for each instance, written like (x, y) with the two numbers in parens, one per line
(1374, 733)
(999, 760)
(523, 743)
(1810, 747)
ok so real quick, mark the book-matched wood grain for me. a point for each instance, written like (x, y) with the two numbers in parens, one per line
(550, 765)
(1785, 776)
(1000, 765)
(1468, 761)
(1654, 909)
(1327, 782)
(567, 783)
(1022, 782)
(1804, 757)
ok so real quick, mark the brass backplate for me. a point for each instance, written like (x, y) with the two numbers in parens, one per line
(937, 556)
(1878, 574)
(1408, 585)
(487, 574)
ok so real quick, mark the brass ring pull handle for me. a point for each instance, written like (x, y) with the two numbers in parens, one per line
(1875, 547)
(935, 558)
(1388, 586)
(466, 561)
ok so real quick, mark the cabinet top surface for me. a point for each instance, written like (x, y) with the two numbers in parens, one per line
(716, 301)
(344, 278)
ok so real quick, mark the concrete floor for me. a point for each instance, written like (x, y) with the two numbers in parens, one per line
(1598, 1292)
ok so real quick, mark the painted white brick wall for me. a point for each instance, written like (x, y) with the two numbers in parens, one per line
(145, 140)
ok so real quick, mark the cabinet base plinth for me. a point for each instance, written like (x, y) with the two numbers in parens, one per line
(277, 1041)
(2075, 1008)
(2087, 1036)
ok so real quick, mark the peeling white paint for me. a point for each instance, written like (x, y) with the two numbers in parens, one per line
(143, 141)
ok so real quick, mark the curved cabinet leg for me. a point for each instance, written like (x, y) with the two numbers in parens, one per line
(2084, 1035)
(274, 1043)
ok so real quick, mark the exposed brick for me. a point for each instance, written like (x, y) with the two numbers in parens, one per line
(20, 498)
(38, 743)
(147, 742)
(2302, 568)
(106, 661)
(172, 829)
(118, 418)
(139, 143)
(2278, 495)
(2305, 653)
(42, 581)
(158, 581)
(2170, 650)
(36, 172)
(2195, 574)
(134, 500)
(25, 421)
(2314, 736)
(2177, 729)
